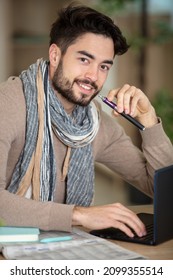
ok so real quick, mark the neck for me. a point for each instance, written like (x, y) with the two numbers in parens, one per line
(68, 106)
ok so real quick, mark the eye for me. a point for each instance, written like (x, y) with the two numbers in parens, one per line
(84, 60)
(105, 67)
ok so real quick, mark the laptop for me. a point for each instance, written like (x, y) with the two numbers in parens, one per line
(159, 225)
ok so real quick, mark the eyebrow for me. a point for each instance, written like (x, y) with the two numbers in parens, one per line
(107, 61)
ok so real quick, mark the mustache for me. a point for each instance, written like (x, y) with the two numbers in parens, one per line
(87, 82)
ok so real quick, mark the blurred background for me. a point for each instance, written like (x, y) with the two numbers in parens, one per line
(148, 27)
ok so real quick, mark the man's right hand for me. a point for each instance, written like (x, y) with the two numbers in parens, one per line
(113, 215)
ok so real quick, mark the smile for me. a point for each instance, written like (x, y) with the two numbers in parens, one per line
(87, 87)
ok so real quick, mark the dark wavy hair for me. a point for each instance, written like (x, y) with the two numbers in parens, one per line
(76, 20)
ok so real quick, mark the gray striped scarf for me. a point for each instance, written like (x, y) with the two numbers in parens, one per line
(78, 135)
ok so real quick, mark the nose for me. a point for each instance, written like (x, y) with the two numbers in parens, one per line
(92, 73)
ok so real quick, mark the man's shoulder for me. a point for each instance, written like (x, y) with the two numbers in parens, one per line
(12, 89)
(11, 83)
(11, 95)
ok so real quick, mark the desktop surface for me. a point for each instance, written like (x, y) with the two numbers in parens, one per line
(162, 251)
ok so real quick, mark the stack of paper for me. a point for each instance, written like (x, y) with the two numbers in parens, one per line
(82, 246)
(18, 234)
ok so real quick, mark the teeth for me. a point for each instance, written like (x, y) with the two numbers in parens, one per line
(85, 87)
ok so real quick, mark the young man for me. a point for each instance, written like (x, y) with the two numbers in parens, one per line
(51, 132)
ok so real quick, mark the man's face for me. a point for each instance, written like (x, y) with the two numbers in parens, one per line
(83, 69)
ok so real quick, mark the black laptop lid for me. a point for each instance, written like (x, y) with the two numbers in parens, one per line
(163, 204)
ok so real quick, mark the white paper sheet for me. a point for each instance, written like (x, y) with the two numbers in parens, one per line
(83, 246)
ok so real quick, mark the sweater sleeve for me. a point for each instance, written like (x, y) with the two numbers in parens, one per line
(16, 210)
(115, 149)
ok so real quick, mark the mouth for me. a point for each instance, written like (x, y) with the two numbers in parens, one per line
(86, 88)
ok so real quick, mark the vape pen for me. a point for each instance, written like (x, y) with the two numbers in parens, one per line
(128, 117)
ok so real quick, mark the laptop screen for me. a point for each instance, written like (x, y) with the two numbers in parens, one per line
(163, 204)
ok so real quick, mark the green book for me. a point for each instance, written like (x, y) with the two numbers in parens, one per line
(18, 234)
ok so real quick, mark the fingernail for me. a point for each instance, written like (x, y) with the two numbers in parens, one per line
(142, 234)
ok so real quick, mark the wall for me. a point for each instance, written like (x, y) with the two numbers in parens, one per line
(6, 58)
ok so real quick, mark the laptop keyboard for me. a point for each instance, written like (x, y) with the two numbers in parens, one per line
(146, 238)
(116, 234)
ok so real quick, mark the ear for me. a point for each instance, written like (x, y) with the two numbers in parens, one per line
(54, 55)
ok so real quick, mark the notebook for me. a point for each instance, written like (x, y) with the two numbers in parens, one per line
(159, 225)
(18, 234)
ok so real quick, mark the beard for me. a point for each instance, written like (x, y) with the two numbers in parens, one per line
(64, 87)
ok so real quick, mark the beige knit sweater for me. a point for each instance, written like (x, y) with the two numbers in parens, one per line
(111, 147)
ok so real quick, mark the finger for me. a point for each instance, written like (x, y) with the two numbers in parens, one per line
(115, 113)
(127, 230)
(128, 99)
(112, 94)
(137, 226)
(134, 104)
(124, 228)
(133, 225)
(119, 94)
(120, 98)
(129, 218)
